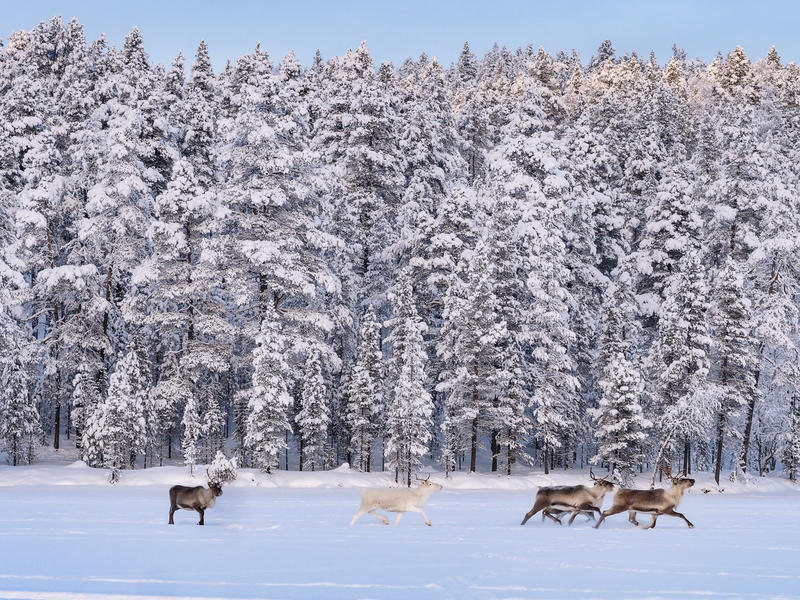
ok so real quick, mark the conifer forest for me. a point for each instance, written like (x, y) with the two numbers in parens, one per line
(518, 260)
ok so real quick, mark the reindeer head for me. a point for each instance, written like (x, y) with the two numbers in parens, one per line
(605, 484)
(678, 480)
(214, 486)
(426, 483)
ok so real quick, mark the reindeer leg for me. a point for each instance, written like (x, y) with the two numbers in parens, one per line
(614, 510)
(202, 516)
(424, 516)
(585, 508)
(632, 517)
(550, 515)
(653, 521)
(380, 517)
(397, 518)
(673, 513)
(536, 508)
(172, 510)
(357, 516)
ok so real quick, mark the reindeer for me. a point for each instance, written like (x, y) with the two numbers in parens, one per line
(195, 498)
(655, 502)
(397, 500)
(576, 499)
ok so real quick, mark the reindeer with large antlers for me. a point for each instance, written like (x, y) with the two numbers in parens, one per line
(576, 499)
(655, 502)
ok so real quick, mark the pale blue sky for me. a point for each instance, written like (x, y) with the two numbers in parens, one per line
(401, 28)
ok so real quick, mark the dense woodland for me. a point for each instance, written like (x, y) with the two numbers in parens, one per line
(520, 259)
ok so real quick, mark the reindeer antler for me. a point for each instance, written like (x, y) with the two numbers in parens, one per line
(592, 475)
(667, 469)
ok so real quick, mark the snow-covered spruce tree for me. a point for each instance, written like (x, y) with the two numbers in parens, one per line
(168, 397)
(365, 410)
(363, 169)
(213, 422)
(222, 469)
(268, 398)
(313, 419)
(679, 363)
(20, 425)
(34, 167)
(410, 413)
(19, 420)
(509, 411)
(531, 183)
(471, 346)
(619, 423)
(735, 352)
(192, 430)
(278, 245)
(85, 397)
(790, 454)
(116, 428)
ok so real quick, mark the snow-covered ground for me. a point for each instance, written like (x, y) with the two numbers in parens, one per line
(65, 534)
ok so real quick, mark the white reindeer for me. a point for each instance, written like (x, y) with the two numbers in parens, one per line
(397, 500)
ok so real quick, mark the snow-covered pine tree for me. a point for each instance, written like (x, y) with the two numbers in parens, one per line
(222, 469)
(678, 363)
(116, 428)
(19, 420)
(410, 412)
(531, 184)
(470, 348)
(268, 399)
(365, 408)
(85, 397)
(313, 419)
(619, 422)
(735, 352)
(192, 430)
(791, 441)
(211, 438)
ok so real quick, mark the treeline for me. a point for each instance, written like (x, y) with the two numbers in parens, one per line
(520, 258)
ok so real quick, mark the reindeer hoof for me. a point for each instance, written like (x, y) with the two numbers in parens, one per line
(691, 526)
(428, 524)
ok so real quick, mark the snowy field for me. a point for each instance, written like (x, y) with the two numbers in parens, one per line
(67, 535)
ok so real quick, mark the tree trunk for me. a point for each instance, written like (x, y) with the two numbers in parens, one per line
(473, 453)
(509, 454)
(300, 452)
(57, 424)
(495, 450)
(748, 425)
(720, 434)
(546, 460)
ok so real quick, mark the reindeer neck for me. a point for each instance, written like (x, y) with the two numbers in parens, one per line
(676, 492)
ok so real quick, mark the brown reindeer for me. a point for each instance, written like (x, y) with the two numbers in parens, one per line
(656, 502)
(195, 498)
(554, 501)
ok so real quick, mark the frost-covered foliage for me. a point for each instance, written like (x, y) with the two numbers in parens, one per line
(365, 409)
(222, 469)
(514, 238)
(268, 398)
(410, 414)
(620, 424)
(116, 427)
(314, 416)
